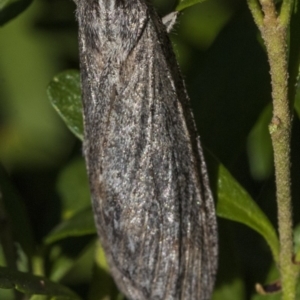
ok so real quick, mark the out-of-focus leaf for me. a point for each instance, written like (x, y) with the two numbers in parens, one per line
(260, 149)
(200, 35)
(73, 269)
(32, 136)
(186, 3)
(7, 294)
(65, 96)
(22, 230)
(229, 291)
(79, 225)
(30, 284)
(235, 204)
(81, 270)
(9, 9)
(72, 185)
(40, 297)
(229, 283)
(43, 297)
(297, 243)
(102, 286)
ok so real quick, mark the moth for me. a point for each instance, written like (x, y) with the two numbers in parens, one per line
(152, 202)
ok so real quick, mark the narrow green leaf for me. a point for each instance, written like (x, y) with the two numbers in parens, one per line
(65, 96)
(235, 204)
(30, 284)
(9, 9)
(187, 3)
(79, 225)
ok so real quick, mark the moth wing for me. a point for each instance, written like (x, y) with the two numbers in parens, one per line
(154, 209)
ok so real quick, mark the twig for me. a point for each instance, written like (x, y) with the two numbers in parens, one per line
(274, 30)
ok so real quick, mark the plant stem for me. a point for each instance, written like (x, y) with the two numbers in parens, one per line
(256, 12)
(280, 130)
(274, 32)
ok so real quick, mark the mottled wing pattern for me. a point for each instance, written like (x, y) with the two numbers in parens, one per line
(153, 206)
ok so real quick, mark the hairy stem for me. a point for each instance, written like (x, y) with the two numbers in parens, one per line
(274, 30)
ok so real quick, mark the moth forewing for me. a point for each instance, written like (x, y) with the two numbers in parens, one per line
(150, 192)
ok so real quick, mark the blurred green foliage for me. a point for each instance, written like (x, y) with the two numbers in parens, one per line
(43, 181)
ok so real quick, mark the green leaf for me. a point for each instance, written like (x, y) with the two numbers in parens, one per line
(187, 3)
(30, 284)
(65, 95)
(79, 225)
(235, 204)
(9, 9)
(73, 199)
